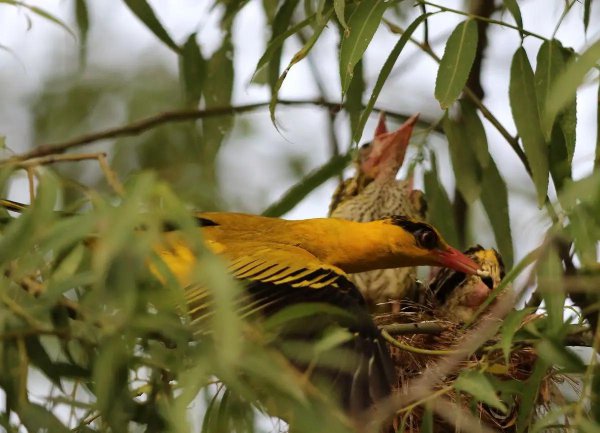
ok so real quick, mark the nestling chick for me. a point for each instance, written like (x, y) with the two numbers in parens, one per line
(374, 193)
(458, 296)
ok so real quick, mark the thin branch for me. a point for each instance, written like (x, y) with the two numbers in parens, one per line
(314, 70)
(407, 348)
(480, 18)
(512, 141)
(430, 328)
(147, 123)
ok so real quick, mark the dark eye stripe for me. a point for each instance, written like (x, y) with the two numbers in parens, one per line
(409, 225)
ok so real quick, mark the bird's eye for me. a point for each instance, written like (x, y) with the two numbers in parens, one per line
(427, 238)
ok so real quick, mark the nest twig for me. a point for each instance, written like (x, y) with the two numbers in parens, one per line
(434, 336)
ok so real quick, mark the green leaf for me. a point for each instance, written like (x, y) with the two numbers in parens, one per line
(586, 426)
(494, 197)
(456, 63)
(550, 64)
(280, 24)
(550, 286)
(440, 212)
(510, 325)
(332, 338)
(558, 355)
(567, 118)
(40, 358)
(82, 18)
(582, 227)
(42, 13)
(303, 311)
(225, 322)
(36, 418)
(513, 8)
(565, 86)
(551, 61)
(220, 75)
(587, 6)
(354, 96)
(192, 69)
(586, 190)
(427, 422)
(464, 162)
(110, 378)
(144, 12)
(523, 102)
(270, 9)
(476, 132)
(386, 69)
(595, 397)
(363, 24)
(340, 6)
(297, 57)
(478, 385)
(530, 394)
(560, 169)
(307, 184)
(273, 51)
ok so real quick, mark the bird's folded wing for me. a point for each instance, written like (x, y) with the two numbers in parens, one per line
(275, 271)
(278, 264)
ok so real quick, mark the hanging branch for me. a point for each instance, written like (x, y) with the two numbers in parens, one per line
(139, 126)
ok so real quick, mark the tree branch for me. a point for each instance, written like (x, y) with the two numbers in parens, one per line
(142, 125)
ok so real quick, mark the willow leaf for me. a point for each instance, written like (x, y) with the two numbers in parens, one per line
(477, 384)
(281, 22)
(515, 11)
(439, 207)
(314, 179)
(340, 10)
(192, 70)
(363, 24)
(523, 102)
(565, 87)
(494, 197)
(456, 63)
(386, 69)
(587, 5)
(464, 162)
(297, 57)
(144, 12)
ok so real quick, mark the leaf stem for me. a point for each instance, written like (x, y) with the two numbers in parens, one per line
(512, 141)
(480, 18)
(139, 126)
(387, 337)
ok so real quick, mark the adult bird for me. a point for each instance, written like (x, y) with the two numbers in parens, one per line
(286, 262)
(457, 296)
(373, 193)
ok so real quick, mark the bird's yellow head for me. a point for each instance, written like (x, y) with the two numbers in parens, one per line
(418, 243)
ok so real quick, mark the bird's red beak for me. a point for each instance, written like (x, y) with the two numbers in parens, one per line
(454, 259)
(388, 149)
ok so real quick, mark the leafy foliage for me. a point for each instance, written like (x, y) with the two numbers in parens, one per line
(84, 313)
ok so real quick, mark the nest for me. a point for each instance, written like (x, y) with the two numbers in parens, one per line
(410, 365)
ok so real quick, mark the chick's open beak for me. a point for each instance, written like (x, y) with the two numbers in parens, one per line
(454, 259)
(387, 151)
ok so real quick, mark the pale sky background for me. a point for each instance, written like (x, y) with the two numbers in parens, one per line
(251, 163)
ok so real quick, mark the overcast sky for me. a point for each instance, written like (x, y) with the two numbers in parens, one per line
(251, 162)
